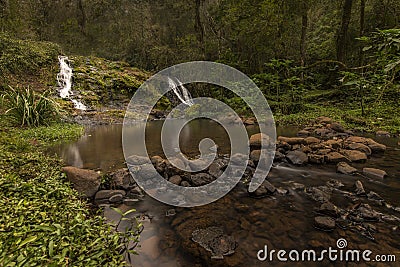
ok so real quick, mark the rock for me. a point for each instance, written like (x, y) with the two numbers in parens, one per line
(214, 240)
(316, 159)
(335, 144)
(238, 158)
(367, 213)
(200, 179)
(323, 151)
(185, 184)
(122, 179)
(324, 223)
(382, 133)
(354, 155)
(297, 186)
(255, 155)
(324, 120)
(292, 140)
(329, 209)
(150, 248)
(359, 188)
(137, 160)
(176, 179)
(216, 168)
(303, 133)
(375, 146)
(265, 189)
(86, 182)
(255, 140)
(107, 194)
(320, 194)
(374, 196)
(322, 131)
(297, 157)
(279, 157)
(249, 121)
(283, 145)
(311, 140)
(374, 173)
(360, 147)
(344, 168)
(334, 183)
(335, 157)
(130, 201)
(337, 127)
(116, 198)
(159, 163)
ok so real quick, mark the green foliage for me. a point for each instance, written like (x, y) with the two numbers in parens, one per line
(25, 56)
(44, 222)
(26, 107)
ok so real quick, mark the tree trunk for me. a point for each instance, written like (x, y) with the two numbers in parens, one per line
(304, 24)
(341, 38)
(82, 18)
(362, 26)
(199, 26)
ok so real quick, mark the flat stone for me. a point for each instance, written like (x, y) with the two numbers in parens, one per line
(355, 155)
(329, 209)
(292, 140)
(345, 168)
(311, 140)
(360, 147)
(374, 173)
(335, 157)
(303, 133)
(150, 248)
(297, 157)
(324, 223)
(107, 194)
(131, 201)
(337, 127)
(116, 198)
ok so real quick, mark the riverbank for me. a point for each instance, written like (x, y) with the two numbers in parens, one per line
(44, 222)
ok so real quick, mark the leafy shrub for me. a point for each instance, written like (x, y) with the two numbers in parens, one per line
(25, 107)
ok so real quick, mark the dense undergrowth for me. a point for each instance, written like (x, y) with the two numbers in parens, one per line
(43, 222)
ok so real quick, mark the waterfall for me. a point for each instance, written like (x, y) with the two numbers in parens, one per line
(180, 91)
(64, 81)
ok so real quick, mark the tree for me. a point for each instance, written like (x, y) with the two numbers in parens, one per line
(342, 35)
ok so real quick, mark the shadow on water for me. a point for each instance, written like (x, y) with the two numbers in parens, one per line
(280, 221)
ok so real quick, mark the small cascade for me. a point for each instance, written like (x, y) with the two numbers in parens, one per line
(180, 91)
(64, 81)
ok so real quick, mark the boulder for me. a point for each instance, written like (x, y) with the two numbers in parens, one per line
(122, 179)
(303, 133)
(316, 159)
(265, 189)
(324, 120)
(374, 173)
(255, 155)
(360, 147)
(382, 133)
(176, 179)
(279, 157)
(137, 160)
(256, 139)
(329, 209)
(292, 140)
(335, 157)
(200, 179)
(297, 157)
(337, 127)
(324, 223)
(375, 146)
(354, 155)
(343, 167)
(335, 144)
(322, 131)
(311, 140)
(86, 182)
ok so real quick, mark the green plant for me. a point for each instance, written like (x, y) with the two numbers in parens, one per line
(25, 107)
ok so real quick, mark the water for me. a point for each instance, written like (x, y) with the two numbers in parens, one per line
(280, 222)
(64, 81)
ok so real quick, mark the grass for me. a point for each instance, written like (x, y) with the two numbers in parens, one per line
(43, 222)
(25, 107)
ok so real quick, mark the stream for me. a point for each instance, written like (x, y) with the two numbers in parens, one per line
(282, 221)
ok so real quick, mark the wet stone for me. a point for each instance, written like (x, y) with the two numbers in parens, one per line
(359, 188)
(329, 209)
(345, 168)
(324, 223)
